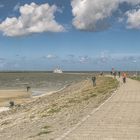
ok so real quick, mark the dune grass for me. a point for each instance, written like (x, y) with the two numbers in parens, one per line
(45, 130)
(135, 78)
(105, 85)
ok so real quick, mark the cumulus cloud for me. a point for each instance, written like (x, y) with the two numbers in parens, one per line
(133, 19)
(88, 15)
(92, 15)
(33, 19)
(16, 7)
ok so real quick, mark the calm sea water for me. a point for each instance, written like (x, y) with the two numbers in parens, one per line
(40, 82)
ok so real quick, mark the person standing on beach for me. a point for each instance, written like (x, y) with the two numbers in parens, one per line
(94, 80)
(124, 77)
(28, 88)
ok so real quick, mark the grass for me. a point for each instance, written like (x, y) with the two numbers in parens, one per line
(45, 130)
(53, 110)
(93, 95)
(104, 86)
(50, 111)
(43, 133)
(43, 115)
(46, 127)
(135, 78)
(5, 122)
(87, 93)
(73, 100)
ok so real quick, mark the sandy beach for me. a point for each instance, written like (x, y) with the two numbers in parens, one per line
(17, 95)
(13, 85)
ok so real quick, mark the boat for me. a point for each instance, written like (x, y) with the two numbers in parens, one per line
(57, 70)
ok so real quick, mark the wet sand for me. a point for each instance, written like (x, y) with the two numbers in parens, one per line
(16, 95)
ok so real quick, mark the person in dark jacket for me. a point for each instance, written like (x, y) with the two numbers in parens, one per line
(94, 80)
(119, 74)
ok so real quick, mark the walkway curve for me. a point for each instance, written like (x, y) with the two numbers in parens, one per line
(116, 119)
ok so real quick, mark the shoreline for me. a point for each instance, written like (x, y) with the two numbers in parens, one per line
(4, 105)
(50, 92)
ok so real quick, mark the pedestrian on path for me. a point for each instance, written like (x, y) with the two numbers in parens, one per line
(124, 77)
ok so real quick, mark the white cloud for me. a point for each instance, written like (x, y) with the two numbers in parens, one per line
(84, 59)
(87, 13)
(50, 56)
(91, 15)
(133, 19)
(17, 6)
(33, 19)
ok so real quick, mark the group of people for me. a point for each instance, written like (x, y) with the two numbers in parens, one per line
(114, 73)
(124, 75)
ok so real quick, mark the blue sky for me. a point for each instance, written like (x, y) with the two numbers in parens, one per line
(75, 35)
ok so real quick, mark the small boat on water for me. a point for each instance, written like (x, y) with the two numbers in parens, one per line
(57, 70)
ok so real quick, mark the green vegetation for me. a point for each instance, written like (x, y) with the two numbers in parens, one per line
(73, 100)
(46, 127)
(54, 110)
(105, 85)
(135, 78)
(43, 132)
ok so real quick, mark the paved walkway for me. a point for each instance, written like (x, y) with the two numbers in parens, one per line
(117, 119)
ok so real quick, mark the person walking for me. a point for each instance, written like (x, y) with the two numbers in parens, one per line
(119, 73)
(124, 77)
(94, 80)
(114, 74)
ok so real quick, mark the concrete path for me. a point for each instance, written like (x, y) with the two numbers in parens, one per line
(117, 119)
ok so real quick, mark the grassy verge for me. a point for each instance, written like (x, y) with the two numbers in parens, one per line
(105, 85)
(75, 99)
(135, 78)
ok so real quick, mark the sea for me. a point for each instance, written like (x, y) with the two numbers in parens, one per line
(41, 82)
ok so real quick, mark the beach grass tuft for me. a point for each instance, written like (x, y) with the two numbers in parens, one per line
(43, 133)
(53, 110)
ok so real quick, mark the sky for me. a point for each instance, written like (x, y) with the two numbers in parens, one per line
(78, 35)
